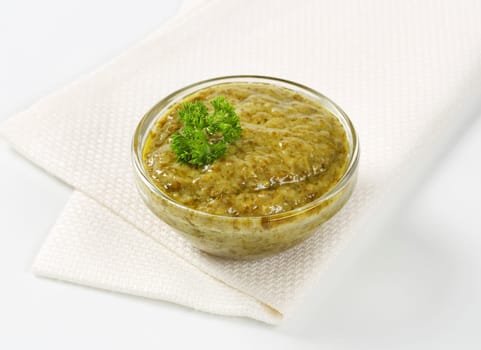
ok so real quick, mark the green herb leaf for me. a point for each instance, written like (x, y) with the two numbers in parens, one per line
(205, 137)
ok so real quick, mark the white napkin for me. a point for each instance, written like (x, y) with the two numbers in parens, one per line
(392, 66)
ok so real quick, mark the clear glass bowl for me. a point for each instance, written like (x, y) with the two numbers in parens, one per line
(252, 236)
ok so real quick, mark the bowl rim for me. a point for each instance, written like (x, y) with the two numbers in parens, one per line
(158, 110)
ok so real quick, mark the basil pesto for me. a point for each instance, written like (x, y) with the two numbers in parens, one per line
(291, 151)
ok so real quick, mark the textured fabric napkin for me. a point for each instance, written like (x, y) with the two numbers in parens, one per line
(393, 66)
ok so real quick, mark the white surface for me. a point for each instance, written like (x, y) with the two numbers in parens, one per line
(419, 285)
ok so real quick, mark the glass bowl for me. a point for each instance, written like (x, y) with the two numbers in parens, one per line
(244, 237)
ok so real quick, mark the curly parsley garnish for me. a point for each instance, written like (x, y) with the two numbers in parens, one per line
(205, 137)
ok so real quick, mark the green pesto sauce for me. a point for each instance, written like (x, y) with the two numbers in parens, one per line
(292, 151)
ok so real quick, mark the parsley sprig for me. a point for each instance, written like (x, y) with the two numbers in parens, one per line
(205, 136)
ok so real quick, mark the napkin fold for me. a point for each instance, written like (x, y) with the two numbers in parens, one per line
(91, 245)
(392, 66)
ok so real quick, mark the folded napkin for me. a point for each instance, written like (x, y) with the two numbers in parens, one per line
(392, 66)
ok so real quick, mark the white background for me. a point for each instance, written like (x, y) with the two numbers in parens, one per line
(417, 286)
